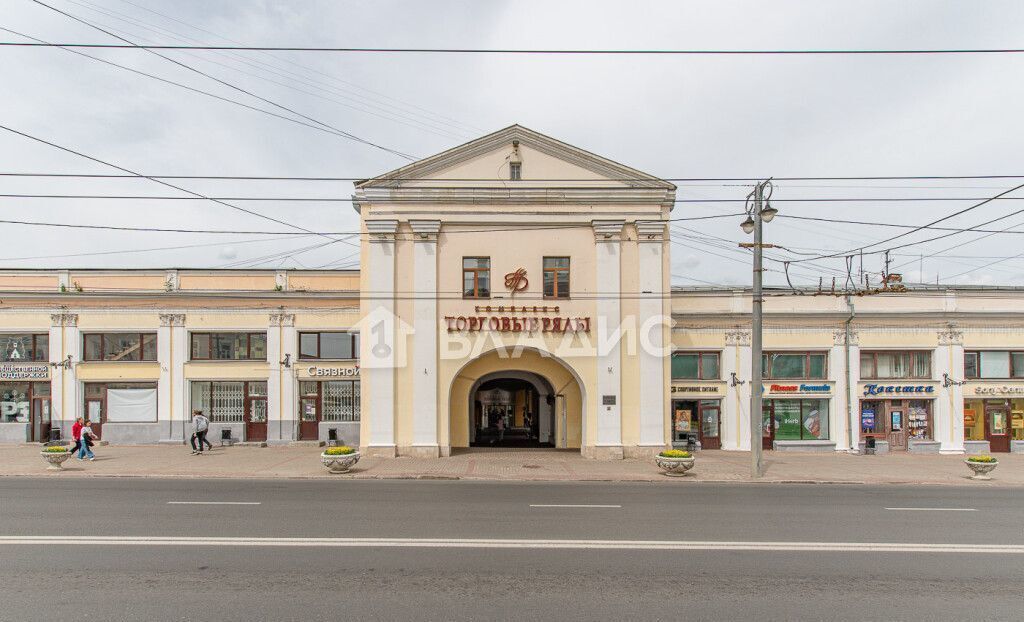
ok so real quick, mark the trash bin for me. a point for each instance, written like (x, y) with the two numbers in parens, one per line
(332, 436)
(691, 442)
(54, 435)
(869, 446)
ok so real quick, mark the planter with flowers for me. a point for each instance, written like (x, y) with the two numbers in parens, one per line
(55, 455)
(982, 466)
(675, 462)
(339, 459)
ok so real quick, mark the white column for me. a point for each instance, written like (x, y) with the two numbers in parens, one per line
(377, 339)
(425, 327)
(173, 412)
(282, 402)
(736, 404)
(65, 341)
(841, 421)
(608, 237)
(949, 404)
(653, 400)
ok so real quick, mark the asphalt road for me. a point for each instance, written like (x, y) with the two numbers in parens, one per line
(153, 549)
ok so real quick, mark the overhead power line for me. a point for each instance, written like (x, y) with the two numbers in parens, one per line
(161, 182)
(460, 179)
(225, 82)
(548, 51)
(430, 200)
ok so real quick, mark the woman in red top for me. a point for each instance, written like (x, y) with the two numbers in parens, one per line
(76, 434)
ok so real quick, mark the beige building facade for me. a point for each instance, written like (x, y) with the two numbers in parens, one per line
(514, 292)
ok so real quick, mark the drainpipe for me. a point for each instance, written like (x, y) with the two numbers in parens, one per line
(853, 449)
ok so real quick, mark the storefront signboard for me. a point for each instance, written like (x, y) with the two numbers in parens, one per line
(799, 388)
(1003, 389)
(509, 324)
(318, 371)
(898, 389)
(24, 372)
(696, 389)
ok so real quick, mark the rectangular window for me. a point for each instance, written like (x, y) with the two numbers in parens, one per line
(515, 171)
(119, 346)
(556, 277)
(895, 365)
(121, 402)
(476, 277)
(224, 402)
(329, 346)
(229, 346)
(334, 400)
(994, 364)
(695, 366)
(797, 420)
(794, 365)
(18, 347)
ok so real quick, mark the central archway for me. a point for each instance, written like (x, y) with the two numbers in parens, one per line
(530, 400)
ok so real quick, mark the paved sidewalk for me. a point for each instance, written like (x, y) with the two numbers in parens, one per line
(509, 465)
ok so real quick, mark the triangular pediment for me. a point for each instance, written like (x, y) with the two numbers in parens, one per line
(544, 159)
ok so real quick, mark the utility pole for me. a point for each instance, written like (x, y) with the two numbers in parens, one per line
(757, 215)
(756, 374)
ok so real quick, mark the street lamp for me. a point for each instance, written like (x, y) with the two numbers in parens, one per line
(757, 214)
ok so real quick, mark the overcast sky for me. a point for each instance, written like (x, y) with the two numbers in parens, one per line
(737, 116)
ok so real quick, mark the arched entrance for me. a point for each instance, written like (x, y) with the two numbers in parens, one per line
(512, 409)
(530, 400)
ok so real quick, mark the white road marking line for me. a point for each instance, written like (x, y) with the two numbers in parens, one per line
(485, 543)
(572, 505)
(932, 509)
(214, 502)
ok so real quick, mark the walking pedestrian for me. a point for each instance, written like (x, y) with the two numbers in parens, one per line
(200, 426)
(87, 442)
(76, 435)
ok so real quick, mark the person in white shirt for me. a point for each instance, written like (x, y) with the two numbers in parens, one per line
(88, 436)
(200, 426)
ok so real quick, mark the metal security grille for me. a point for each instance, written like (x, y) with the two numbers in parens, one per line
(340, 400)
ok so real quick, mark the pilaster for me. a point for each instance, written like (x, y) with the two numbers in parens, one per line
(653, 402)
(171, 392)
(65, 342)
(949, 405)
(608, 238)
(282, 397)
(736, 405)
(425, 331)
(377, 339)
(844, 415)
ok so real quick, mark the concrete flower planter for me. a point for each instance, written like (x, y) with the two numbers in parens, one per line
(339, 464)
(55, 459)
(981, 469)
(675, 467)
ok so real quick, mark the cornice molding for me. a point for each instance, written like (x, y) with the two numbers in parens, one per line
(425, 230)
(608, 230)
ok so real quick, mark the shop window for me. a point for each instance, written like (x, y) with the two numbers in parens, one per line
(225, 402)
(332, 400)
(15, 400)
(121, 402)
(695, 366)
(329, 346)
(895, 365)
(556, 277)
(476, 277)
(19, 347)
(994, 364)
(796, 420)
(794, 365)
(119, 347)
(229, 346)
